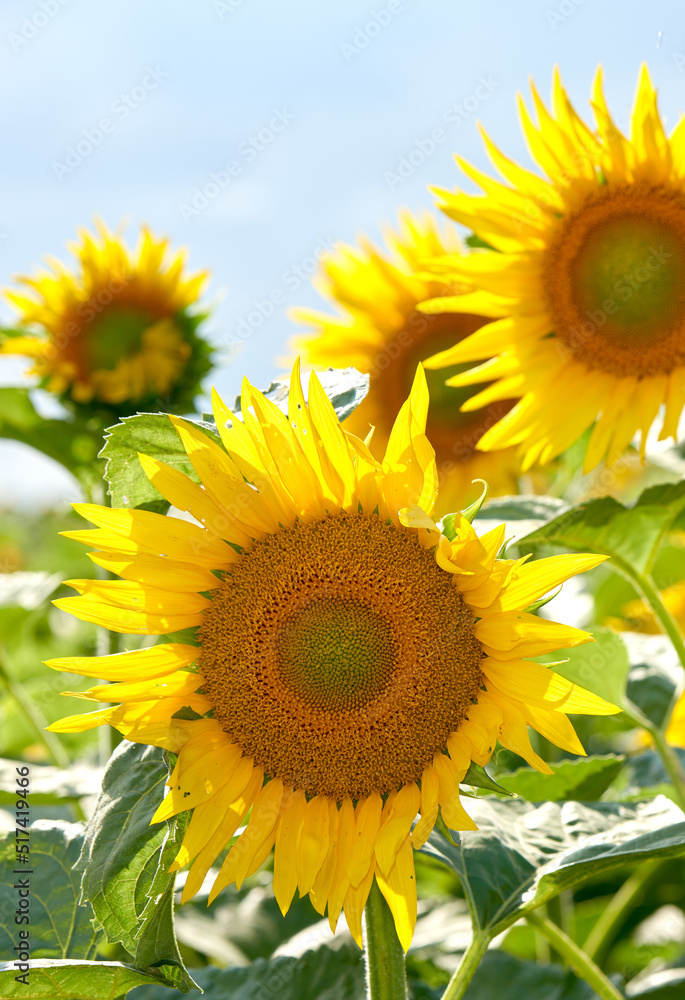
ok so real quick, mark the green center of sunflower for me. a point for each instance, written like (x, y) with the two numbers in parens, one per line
(115, 333)
(614, 278)
(337, 653)
(635, 265)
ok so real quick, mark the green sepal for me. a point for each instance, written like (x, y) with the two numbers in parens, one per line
(442, 828)
(536, 605)
(478, 777)
(473, 509)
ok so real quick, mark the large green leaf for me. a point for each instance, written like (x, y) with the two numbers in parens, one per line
(521, 514)
(153, 434)
(584, 780)
(71, 980)
(645, 774)
(59, 927)
(124, 862)
(524, 854)
(324, 974)
(630, 535)
(72, 443)
(655, 678)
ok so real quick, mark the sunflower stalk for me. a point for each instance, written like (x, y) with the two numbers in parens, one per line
(619, 908)
(459, 983)
(672, 764)
(580, 962)
(386, 978)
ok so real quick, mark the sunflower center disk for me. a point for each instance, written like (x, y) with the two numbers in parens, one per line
(114, 334)
(339, 656)
(616, 283)
(337, 653)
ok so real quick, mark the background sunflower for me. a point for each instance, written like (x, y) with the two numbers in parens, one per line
(382, 333)
(586, 288)
(116, 333)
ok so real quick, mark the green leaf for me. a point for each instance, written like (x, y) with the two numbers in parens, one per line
(630, 535)
(324, 974)
(524, 854)
(59, 927)
(124, 862)
(503, 977)
(521, 514)
(50, 785)
(646, 774)
(72, 443)
(584, 780)
(71, 980)
(656, 676)
(153, 434)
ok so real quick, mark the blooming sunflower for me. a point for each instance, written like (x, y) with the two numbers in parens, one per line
(350, 662)
(587, 290)
(381, 332)
(117, 330)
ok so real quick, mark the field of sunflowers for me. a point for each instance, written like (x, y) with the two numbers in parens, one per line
(367, 683)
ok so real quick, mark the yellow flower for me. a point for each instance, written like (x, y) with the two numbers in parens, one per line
(675, 733)
(587, 290)
(382, 332)
(115, 331)
(351, 661)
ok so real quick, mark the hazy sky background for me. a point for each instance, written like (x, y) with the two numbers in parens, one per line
(354, 87)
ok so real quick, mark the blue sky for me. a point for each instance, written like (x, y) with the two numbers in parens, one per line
(337, 96)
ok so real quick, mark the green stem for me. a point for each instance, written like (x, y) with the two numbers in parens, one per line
(662, 614)
(649, 591)
(579, 961)
(385, 973)
(603, 934)
(35, 719)
(458, 984)
(672, 764)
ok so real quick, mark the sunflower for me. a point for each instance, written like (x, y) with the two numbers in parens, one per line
(381, 332)
(349, 661)
(585, 286)
(116, 331)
